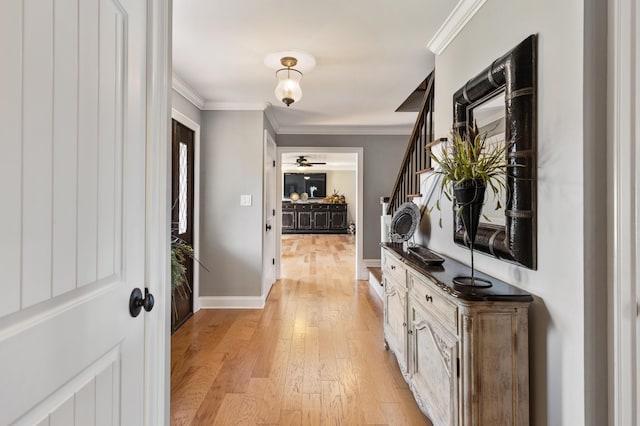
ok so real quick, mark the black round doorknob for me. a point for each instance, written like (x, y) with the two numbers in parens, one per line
(137, 302)
(148, 301)
(268, 227)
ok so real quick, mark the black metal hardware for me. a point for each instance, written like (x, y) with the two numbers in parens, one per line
(137, 302)
(429, 298)
(404, 324)
(393, 267)
(268, 227)
(410, 332)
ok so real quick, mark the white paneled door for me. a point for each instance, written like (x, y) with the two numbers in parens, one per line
(72, 176)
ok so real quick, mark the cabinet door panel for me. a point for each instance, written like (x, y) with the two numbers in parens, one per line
(304, 220)
(338, 220)
(396, 321)
(434, 356)
(320, 220)
(288, 220)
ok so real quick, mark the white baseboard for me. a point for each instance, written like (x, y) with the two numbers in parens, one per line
(371, 263)
(363, 274)
(232, 302)
(375, 285)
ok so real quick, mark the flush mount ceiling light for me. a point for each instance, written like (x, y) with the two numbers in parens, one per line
(288, 89)
(290, 66)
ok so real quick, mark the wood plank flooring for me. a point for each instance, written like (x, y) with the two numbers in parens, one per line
(313, 356)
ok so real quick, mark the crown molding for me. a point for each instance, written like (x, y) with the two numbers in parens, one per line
(235, 106)
(271, 117)
(455, 22)
(180, 86)
(346, 130)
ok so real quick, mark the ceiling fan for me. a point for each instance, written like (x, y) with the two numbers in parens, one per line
(301, 161)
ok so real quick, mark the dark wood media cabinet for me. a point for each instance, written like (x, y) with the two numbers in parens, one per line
(314, 218)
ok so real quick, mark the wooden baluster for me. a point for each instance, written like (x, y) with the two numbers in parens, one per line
(415, 158)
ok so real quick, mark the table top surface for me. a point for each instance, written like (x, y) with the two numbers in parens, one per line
(444, 274)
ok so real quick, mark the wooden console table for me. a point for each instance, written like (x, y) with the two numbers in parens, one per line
(464, 352)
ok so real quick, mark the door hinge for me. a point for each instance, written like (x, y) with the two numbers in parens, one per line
(274, 163)
(273, 261)
(458, 366)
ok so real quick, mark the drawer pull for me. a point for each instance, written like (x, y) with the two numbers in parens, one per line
(410, 332)
(429, 298)
(404, 324)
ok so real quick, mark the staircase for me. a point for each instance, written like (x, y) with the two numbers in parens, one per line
(416, 160)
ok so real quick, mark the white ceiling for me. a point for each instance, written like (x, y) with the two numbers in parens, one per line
(370, 55)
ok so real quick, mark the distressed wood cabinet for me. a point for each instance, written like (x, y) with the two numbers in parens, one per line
(395, 308)
(464, 353)
(314, 218)
(288, 217)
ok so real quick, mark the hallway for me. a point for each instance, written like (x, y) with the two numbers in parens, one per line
(314, 355)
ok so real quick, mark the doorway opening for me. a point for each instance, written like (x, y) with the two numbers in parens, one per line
(340, 162)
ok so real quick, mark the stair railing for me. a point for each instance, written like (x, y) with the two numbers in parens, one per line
(416, 159)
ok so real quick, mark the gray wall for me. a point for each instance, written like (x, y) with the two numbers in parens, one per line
(230, 234)
(181, 104)
(595, 233)
(567, 321)
(382, 158)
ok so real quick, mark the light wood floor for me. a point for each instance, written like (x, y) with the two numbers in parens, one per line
(314, 355)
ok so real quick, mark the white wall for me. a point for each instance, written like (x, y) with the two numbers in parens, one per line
(557, 317)
(345, 182)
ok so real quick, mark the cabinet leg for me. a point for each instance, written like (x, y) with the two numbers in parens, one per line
(386, 345)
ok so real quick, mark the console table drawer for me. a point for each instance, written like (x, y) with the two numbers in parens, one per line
(431, 299)
(394, 269)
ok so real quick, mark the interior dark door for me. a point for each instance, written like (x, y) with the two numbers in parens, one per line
(182, 214)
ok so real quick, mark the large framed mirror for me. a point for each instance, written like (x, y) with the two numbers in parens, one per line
(501, 100)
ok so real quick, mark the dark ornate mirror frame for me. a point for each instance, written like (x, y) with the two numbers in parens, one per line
(515, 74)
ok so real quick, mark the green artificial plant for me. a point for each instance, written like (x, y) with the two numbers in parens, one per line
(468, 157)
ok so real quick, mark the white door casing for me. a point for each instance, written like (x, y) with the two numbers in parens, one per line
(270, 219)
(183, 119)
(624, 209)
(73, 118)
(361, 272)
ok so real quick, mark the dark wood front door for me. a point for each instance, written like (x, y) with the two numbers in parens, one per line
(182, 215)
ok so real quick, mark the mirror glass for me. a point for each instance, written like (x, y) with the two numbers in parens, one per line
(489, 115)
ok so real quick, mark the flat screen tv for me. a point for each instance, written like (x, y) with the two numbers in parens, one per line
(314, 184)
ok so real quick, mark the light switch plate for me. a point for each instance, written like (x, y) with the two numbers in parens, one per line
(245, 200)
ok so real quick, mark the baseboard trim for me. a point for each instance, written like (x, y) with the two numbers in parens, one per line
(231, 302)
(375, 285)
(371, 263)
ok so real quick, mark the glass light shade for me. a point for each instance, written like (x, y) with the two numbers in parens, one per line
(288, 89)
